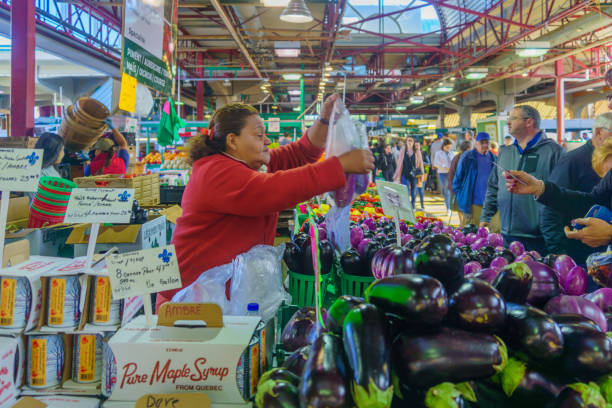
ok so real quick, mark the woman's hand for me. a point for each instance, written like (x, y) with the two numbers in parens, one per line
(317, 134)
(521, 183)
(596, 232)
(328, 106)
(357, 161)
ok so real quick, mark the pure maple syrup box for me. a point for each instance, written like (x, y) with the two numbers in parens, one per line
(167, 358)
(12, 357)
(21, 293)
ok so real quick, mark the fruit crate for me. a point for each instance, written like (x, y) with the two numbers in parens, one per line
(146, 188)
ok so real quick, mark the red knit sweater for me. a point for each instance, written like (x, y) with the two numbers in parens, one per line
(228, 208)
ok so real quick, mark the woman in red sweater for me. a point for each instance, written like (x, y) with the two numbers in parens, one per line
(231, 203)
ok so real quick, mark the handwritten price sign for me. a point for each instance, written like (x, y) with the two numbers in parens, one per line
(20, 169)
(142, 272)
(100, 205)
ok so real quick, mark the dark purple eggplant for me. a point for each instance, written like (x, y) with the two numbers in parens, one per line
(526, 387)
(324, 381)
(478, 306)
(369, 251)
(326, 257)
(579, 396)
(417, 299)
(581, 320)
(507, 254)
(545, 284)
(293, 257)
(338, 311)
(367, 347)
(587, 354)
(413, 243)
(450, 355)
(298, 329)
(352, 265)
(301, 238)
(438, 256)
(296, 361)
(488, 275)
(277, 394)
(532, 332)
(549, 260)
(514, 282)
(609, 319)
(280, 374)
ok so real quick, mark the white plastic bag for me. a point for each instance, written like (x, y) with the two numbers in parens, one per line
(256, 278)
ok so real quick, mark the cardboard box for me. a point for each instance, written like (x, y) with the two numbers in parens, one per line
(33, 270)
(58, 401)
(172, 214)
(48, 241)
(18, 212)
(126, 238)
(169, 359)
(27, 142)
(12, 357)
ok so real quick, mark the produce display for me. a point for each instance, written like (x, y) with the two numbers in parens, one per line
(452, 319)
(172, 160)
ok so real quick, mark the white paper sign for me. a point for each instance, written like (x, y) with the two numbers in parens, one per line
(100, 205)
(274, 125)
(141, 272)
(390, 194)
(20, 169)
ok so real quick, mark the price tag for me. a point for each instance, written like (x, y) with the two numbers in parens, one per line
(100, 205)
(187, 400)
(395, 195)
(20, 169)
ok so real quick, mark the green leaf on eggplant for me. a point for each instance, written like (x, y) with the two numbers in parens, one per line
(605, 386)
(373, 397)
(396, 385)
(443, 395)
(590, 394)
(503, 352)
(263, 388)
(512, 375)
(467, 391)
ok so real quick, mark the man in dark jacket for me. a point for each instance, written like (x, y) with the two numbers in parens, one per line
(531, 152)
(574, 172)
(471, 178)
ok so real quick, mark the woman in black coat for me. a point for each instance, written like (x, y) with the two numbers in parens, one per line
(386, 163)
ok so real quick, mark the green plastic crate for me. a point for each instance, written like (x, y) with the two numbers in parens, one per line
(354, 285)
(302, 288)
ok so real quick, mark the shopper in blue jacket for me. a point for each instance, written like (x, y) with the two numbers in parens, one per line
(471, 178)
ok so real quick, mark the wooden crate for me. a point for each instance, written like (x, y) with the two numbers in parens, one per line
(146, 188)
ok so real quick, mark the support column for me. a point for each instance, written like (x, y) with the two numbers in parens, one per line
(200, 89)
(441, 117)
(465, 116)
(560, 96)
(505, 103)
(23, 44)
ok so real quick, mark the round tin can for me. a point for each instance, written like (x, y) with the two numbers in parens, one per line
(45, 357)
(104, 310)
(63, 297)
(260, 333)
(15, 302)
(109, 369)
(87, 358)
(247, 371)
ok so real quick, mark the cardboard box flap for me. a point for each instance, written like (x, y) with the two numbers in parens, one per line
(117, 234)
(209, 314)
(22, 233)
(35, 267)
(172, 213)
(192, 400)
(16, 253)
(29, 402)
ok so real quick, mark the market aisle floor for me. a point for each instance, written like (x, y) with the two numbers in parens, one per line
(434, 206)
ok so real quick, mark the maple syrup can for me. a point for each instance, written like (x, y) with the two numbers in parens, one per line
(15, 302)
(63, 297)
(109, 370)
(45, 357)
(87, 358)
(247, 372)
(105, 311)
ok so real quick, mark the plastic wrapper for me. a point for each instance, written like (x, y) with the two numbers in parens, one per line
(343, 136)
(599, 265)
(338, 228)
(256, 277)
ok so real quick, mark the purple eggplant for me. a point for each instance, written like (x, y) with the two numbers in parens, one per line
(514, 282)
(367, 347)
(450, 355)
(499, 262)
(577, 304)
(361, 183)
(579, 395)
(324, 381)
(280, 374)
(471, 267)
(545, 284)
(298, 329)
(517, 248)
(587, 354)
(488, 275)
(356, 236)
(390, 261)
(563, 264)
(293, 257)
(526, 387)
(507, 254)
(414, 298)
(603, 298)
(344, 195)
(326, 258)
(352, 263)
(277, 394)
(575, 281)
(476, 306)
(437, 256)
(570, 318)
(532, 332)
(338, 311)
(297, 360)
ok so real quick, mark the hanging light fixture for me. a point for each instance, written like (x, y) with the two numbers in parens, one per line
(296, 12)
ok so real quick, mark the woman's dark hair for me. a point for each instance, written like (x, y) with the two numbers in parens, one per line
(229, 119)
(465, 145)
(52, 145)
(446, 142)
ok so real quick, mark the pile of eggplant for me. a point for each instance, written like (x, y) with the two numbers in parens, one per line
(437, 330)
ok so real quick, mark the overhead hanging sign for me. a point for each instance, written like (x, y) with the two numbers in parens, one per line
(150, 34)
(20, 169)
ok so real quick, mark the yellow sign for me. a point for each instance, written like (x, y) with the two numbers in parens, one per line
(127, 96)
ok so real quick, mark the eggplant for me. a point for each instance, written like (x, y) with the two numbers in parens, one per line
(298, 329)
(545, 283)
(488, 275)
(414, 298)
(296, 361)
(569, 318)
(352, 265)
(391, 260)
(532, 332)
(514, 282)
(338, 311)
(293, 257)
(470, 229)
(280, 374)
(526, 387)
(450, 355)
(507, 254)
(277, 394)
(326, 257)
(447, 395)
(577, 304)
(579, 396)
(413, 243)
(367, 347)
(367, 254)
(300, 239)
(587, 354)
(324, 382)
(478, 306)
(437, 256)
